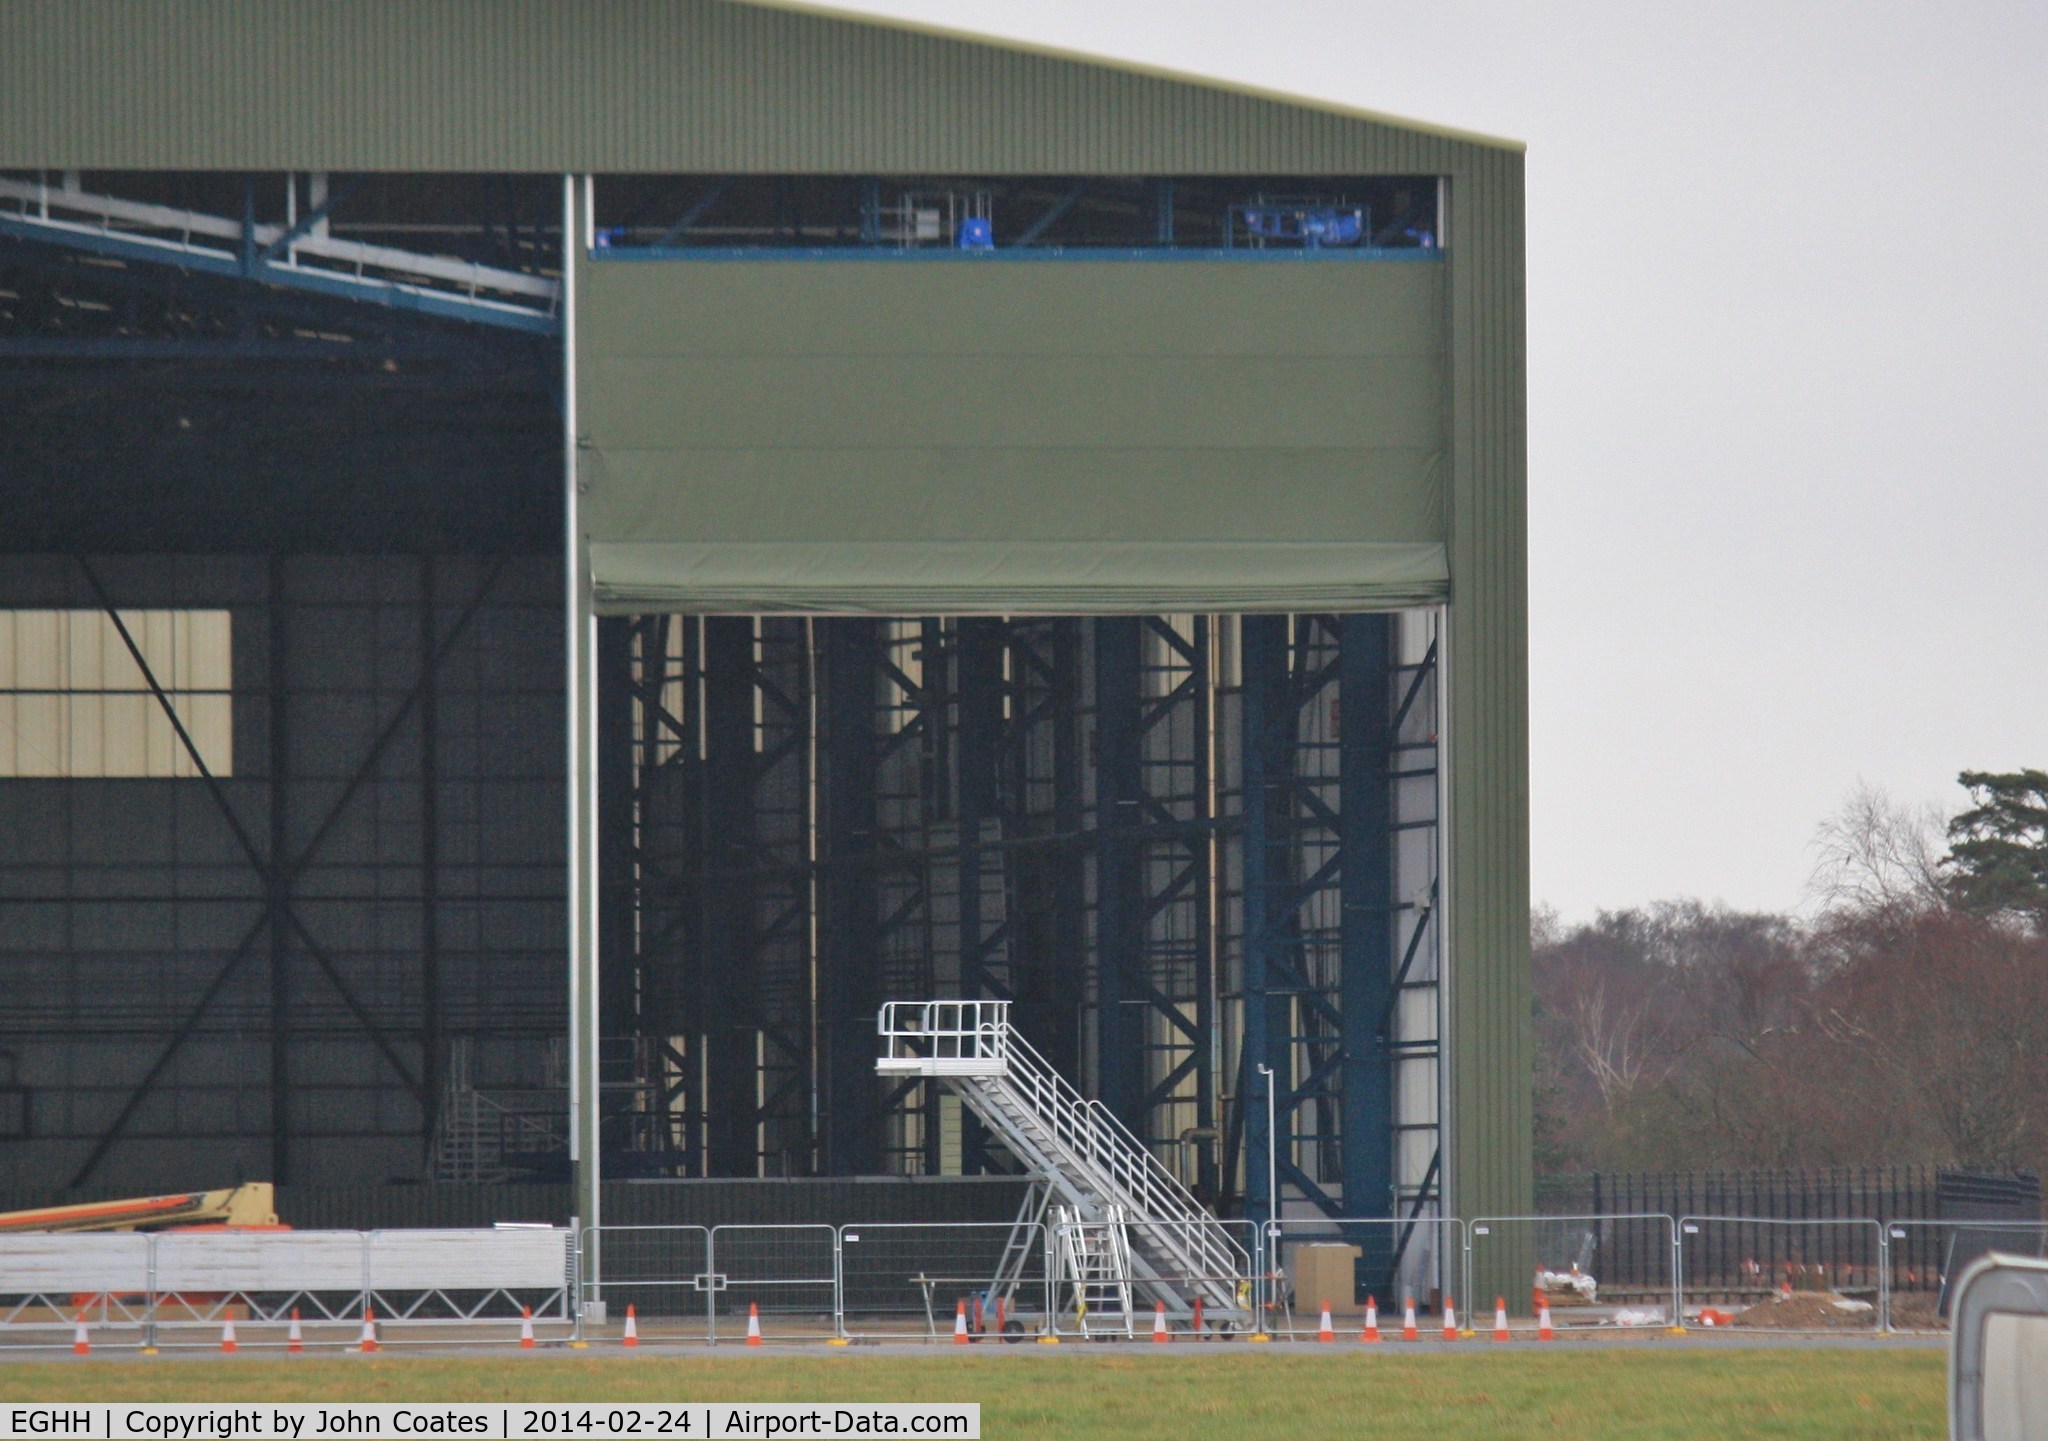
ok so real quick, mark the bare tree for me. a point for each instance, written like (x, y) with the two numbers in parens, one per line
(1879, 855)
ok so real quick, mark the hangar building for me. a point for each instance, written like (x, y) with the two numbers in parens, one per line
(557, 556)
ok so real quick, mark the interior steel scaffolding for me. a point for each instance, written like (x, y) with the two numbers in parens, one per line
(1188, 849)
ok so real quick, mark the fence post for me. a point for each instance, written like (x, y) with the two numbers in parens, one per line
(1884, 1277)
(576, 1277)
(369, 1280)
(1465, 1242)
(1677, 1272)
(149, 1300)
(839, 1283)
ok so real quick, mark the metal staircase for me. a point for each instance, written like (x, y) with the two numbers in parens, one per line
(1117, 1201)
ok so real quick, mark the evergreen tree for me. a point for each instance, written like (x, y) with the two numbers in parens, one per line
(1998, 851)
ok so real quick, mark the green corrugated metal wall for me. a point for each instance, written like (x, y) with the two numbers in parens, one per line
(562, 86)
(931, 437)
(620, 85)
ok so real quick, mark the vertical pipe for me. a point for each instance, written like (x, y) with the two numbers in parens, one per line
(580, 624)
(275, 882)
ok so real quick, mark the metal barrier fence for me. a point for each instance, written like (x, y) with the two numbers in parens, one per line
(1591, 1270)
(662, 1273)
(1924, 1260)
(184, 1289)
(783, 1278)
(1230, 1301)
(906, 1281)
(1826, 1275)
(1391, 1260)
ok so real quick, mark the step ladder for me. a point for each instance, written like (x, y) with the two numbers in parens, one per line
(1092, 1263)
(1173, 1250)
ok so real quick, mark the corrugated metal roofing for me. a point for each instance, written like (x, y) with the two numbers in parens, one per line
(630, 85)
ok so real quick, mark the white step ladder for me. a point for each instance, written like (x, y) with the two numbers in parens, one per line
(1173, 1251)
(1093, 1265)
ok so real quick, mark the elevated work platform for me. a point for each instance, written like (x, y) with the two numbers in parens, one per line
(1177, 1253)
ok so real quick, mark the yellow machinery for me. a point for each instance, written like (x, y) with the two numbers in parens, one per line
(250, 1205)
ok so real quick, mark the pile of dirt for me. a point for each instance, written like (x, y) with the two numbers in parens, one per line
(1809, 1311)
(1915, 1311)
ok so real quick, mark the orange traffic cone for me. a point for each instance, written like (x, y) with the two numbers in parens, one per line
(1543, 1327)
(81, 1345)
(1159, 1336)
(960, 1336)
(1500, 1318)
(227, 1337)
(369, 1341)
(1450, 1319)
(632, 1336)
(526, 1328)
(1196, 1324)
(1371, 1333)
(753, 1323)
(1324, 1330)
(1409, 1331)
(294, 1339)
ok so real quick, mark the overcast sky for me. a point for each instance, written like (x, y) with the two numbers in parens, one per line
(1788, 390)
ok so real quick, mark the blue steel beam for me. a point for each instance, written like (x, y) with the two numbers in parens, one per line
(1366, 931)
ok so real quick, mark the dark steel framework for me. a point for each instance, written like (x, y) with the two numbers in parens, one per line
(265, 972)
(1175, 842)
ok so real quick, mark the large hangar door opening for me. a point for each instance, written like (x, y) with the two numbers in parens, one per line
(983, 621)
(1183, 846)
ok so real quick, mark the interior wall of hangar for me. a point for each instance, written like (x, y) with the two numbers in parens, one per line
(659, 87)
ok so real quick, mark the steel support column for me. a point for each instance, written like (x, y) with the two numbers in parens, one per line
(979, 758)
(1366, 939)
(1268, 763)
(725, 970)
(277, 880)
(1048, 880)
(618, 1002)
(1119, 873)
(851, 940)
(433, 1043)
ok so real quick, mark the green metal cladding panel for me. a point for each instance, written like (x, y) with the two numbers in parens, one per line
(617, 85)
(560, 86)
(942, 436)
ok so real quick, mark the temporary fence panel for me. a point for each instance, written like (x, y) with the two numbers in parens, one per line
(1619, 1271)
(1393, 1259)
(904, 1280)
(1151, 1279)
(1771, 1274)
(790, 1273)
(47, 1283)
(470, 1275)
(1925, 1259)
(663, 1272)
(262, 1276)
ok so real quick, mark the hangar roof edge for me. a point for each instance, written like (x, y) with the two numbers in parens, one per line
(1140, 68)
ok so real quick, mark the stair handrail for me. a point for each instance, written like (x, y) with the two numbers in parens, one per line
(980, 1031)
(1160, 1198)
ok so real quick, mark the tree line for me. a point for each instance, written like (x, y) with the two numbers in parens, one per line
(1902, 1020)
